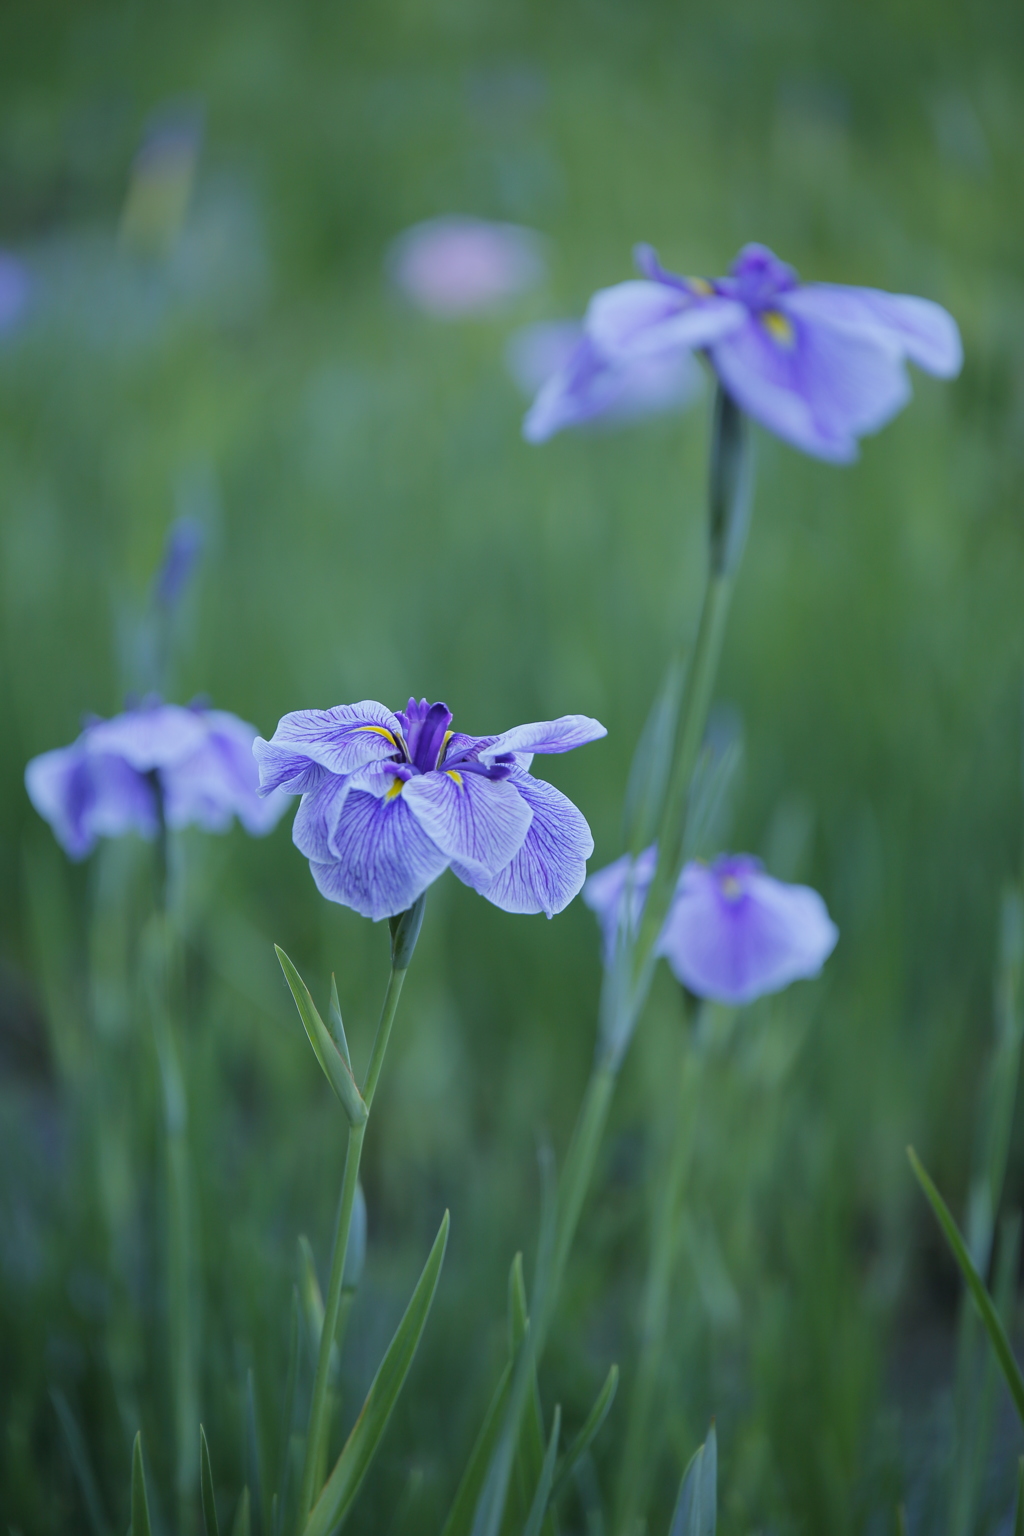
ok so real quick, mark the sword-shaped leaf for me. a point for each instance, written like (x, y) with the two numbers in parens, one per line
(591, 1424)
(140, 1503)
(696, 1512)
(542, 1497)
(206, 1487)
(336, 1069)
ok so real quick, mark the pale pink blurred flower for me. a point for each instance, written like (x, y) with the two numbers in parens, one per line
(456, 265)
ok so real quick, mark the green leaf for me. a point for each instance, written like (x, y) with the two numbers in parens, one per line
(140, 1504)
(460, 1518)
(206, 1487)
(530, 1450)
(343, 1484)
(337, 1028)
(253, 1453)
(696, 1511)
(336, 1069)
(591, 1425)
(542, 1497)
(243, 1523)
(1018, 1510)
(983, 1301)
(79, 1458)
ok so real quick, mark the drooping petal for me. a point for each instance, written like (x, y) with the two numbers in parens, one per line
(561, 735)
(551, 865)
(734, 933)
(87, 795)
(917, 328)
(382, 859)
(220, 781)
(476, 821)
(591, 386)
(605, 890)
(317, 818)
(340, 740)
(817, 387)
(151, 737)
(637, 318)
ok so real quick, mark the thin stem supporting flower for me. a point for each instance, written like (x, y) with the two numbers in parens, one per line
(405, 931)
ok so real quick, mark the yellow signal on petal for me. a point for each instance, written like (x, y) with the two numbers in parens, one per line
(700, 285)
(394, 788)
(379, 730)
(779, 327)
(453, 773)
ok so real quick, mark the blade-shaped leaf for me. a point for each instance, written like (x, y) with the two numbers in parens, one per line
(696, 1511)
(337, 1028)
(79, 1458)
(336, 1069)
(530, 1451)
(538, 1509)
(242, 1525)
(591, 1425)
(460, 1519)
(343, 1484)
(206, 1487)
(1018, 1510)
(140, 1503)
(253, 1455)
(989, 1316)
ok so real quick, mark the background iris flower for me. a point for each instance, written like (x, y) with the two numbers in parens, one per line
(160, 762)
(391, 800)
(818, 364)
(733, 933)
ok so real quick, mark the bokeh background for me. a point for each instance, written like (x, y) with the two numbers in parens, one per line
(229, 345)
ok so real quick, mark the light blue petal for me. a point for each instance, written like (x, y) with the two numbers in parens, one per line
(382, 858)
(638, 318)
(220, 781)
(86, 795)
(551, 865)
(340, 740)
(149, 738)
(560, 735)
(475, 821)
(916, 328)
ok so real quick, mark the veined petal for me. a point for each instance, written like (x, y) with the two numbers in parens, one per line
(340, 740)
(917, 328)
(638, 317)
(560, 735)
(148, 738)
(476, 821)
(284, 769)
(551, 865)
(382, 858)
(317, 818)
(816, 387)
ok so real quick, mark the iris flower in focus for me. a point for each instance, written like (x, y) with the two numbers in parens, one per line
(158, 764)
(818, 364)
(733, 933)
(576, 385)
(455, 266)
(391, 800)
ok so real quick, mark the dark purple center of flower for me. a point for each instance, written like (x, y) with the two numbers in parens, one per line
(757, 277)
(732, 873)
(425, 729)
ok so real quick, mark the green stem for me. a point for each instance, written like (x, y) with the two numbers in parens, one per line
(641, 1444)
(332, 1305)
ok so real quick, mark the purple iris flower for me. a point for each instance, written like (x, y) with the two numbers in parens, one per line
(576, 385)
(732, 934)
(818, 364)
(160, 762)
(390, 800)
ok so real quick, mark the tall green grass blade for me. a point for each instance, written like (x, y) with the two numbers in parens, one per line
(335, 1067)
(254, 1456)
(287, 1415)
(343, 1484)
(242, 1524)
(140, 1503)
(542, 1497)
(983, 1301)
(530, 1451)
(209, 1502)
(310, 1292)
(460, 1518)
(696, 1511)
(79, 1458)
(1018, 1508)
(588, 1433)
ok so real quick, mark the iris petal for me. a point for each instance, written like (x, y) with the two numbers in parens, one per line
(551, 865)
(917, 328)
(340, 740)
(476, 821)
(382, 859)
(561, 735)
(637, 317)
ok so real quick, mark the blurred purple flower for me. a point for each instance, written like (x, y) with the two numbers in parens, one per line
(455, 266)
(189, 766)
(182, 552)
(14, 290)
(732, 934)
(577, 386)
(819, 364)
(390, 800)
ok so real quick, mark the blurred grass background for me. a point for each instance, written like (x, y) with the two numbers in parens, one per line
(380, 529)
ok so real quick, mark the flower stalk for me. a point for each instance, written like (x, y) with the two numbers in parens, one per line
(405, 930)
